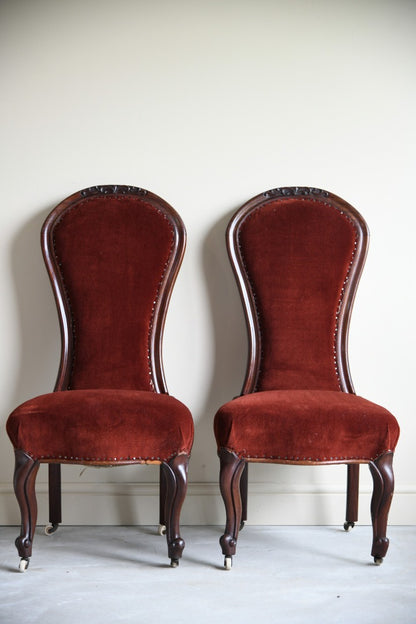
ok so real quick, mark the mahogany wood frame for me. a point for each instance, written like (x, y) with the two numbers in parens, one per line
(173, 473)
(234, 469)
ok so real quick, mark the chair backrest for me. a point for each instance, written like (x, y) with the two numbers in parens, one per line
(297, 254)
(112, 254)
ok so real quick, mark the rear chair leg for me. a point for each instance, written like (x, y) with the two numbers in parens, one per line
(244, 495)
(231, 468)
(55, 504)
(24, 480)
(162, 501)
(383, 479)
(353, 478)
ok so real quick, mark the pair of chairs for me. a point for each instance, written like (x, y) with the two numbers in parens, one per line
(113, 254)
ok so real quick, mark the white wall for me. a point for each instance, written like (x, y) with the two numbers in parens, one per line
(208, 104)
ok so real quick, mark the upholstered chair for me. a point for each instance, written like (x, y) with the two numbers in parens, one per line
(112, 254)
(297, 254)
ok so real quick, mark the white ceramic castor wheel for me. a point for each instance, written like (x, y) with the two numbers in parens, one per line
(51, 528)
(348, 526)
(162, 529)
(228, 563)
(242, 524)
(378, 560)
(174, 563)
(23, 565)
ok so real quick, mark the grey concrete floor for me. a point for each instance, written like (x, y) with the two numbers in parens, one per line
(280, 574)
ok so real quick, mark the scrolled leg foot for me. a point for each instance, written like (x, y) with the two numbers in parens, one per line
(24, 546)
(175, 548)
(228, 544)
(380, 547)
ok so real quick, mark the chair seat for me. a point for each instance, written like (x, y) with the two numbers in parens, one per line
(305, 426)
(102, 426)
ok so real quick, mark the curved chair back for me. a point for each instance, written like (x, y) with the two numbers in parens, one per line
(112, 279)
(297, 253)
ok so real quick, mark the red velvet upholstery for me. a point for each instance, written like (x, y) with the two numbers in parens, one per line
(297, 254)
(102, 426)
(305, 426)
(112, 257)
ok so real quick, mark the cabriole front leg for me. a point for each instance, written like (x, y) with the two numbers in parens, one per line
(383, 479)
(24, 480)
(231, 468)
(175, 483)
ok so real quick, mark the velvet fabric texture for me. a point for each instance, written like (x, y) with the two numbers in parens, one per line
(305, 426)
(102, 426)
(297, 254)
(112, 255)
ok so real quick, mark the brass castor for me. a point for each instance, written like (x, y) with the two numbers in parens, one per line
(348, 526)
(228, 563)
(51, 528)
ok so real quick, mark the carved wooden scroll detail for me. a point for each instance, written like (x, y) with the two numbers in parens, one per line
(111, 189)
(290, 191)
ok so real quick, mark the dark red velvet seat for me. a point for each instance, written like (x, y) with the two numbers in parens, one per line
(297, 254)
(112, 254)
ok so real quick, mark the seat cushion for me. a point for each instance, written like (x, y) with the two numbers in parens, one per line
(305, 426)
(102, 426)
